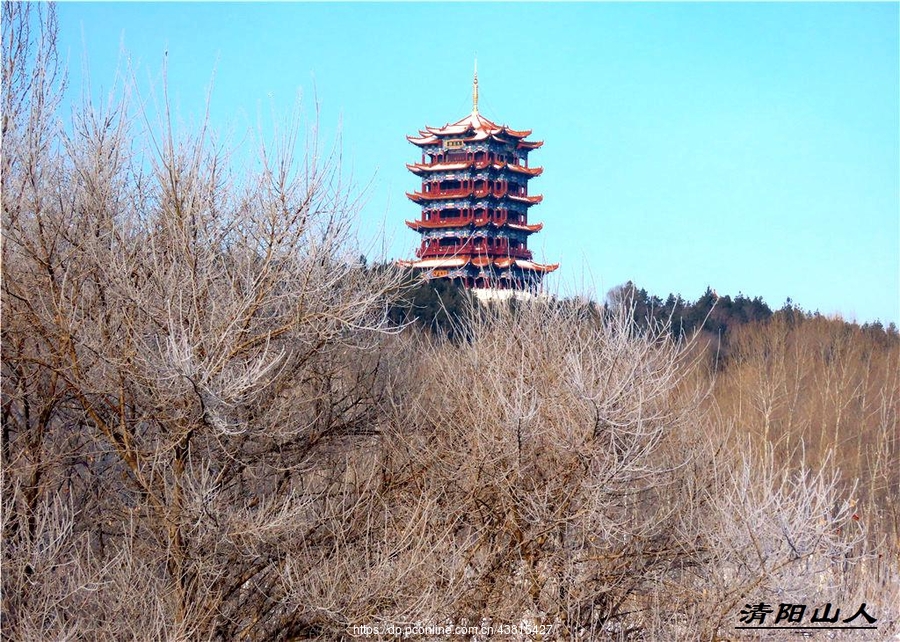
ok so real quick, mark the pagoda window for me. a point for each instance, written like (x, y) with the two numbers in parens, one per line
(456, 157)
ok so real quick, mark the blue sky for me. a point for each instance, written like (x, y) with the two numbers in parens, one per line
(754, 148)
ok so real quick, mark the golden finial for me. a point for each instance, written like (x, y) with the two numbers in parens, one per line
(475, 89)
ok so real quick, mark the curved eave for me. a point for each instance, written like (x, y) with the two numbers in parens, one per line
(537, 267)
(450, 130)
(500, 138)
(529, 144)
(536, 227)
(517, 134)
(530, 171)
(531, 200)
(424, 141)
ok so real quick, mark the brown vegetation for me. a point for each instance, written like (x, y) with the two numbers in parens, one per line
(826, 392)
(209, 431)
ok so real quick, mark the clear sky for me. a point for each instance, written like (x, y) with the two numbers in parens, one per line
(753, 148)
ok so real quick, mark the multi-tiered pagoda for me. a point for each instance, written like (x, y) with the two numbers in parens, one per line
(475, 203)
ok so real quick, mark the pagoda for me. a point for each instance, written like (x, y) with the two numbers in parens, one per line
(475, 202)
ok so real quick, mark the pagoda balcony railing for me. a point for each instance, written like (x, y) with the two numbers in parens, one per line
(456, 220)
(468, 248)
(520, 253)
(495, 191)
(498, 219)
(474, 164)
(446, 193)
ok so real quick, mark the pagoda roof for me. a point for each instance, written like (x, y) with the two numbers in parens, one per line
(418, 197)
(476, 128)
(424, 168)
(475, 122)
(433, 225)
(481, 262)
(421, 168)
(434, 263)
(423, 141)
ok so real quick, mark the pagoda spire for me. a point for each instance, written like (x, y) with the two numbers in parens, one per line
(475, 89)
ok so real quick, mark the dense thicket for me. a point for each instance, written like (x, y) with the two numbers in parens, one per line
(213, 427)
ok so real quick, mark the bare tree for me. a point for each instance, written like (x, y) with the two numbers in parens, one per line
(182, 350)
